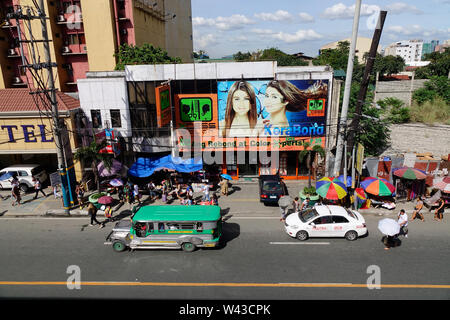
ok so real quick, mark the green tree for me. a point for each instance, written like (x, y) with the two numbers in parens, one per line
(395, 110)
(439, 65)
(146, 54)
(437, 86)
(91, 155)
(239, 56)
(282, 58)
(388, 65)
(310, 153)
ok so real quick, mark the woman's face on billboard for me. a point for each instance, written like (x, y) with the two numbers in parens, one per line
(241, 102)
(274, 100)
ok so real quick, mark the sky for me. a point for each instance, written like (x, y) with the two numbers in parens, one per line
(224, 27)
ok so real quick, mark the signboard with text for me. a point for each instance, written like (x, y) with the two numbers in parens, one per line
(163, 110)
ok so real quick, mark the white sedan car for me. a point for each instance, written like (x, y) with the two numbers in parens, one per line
(326, 221)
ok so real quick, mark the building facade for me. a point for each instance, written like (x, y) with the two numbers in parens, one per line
(86, 34)
(26, 131)
(362, 46)
(409, 50)
(196, 98)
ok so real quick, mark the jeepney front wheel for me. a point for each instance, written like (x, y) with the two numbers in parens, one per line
(119, 246)
(188, 246)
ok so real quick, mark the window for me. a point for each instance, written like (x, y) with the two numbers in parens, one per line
(339, 219)
(115, 119)
(96, 119)
(23, 174)
(323, 220)
(161, 227)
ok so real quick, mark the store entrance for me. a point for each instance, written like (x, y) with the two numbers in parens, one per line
(248, 165)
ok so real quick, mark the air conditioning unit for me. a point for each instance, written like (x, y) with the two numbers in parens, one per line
(61, 18)
(66, 50)
(12, 52)
(17, 80)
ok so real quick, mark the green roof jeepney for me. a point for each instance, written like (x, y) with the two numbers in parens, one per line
(168, 227)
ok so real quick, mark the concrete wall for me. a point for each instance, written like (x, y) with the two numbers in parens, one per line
(398, 89)
(179, 30)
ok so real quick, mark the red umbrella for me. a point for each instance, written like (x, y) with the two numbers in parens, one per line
(105, 200)
(409, 173)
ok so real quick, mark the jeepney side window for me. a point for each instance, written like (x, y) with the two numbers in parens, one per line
(150, 227)
(173, 226)
(199, 227)
(161, 227)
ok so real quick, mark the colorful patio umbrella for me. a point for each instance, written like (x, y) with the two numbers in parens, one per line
(377, 186)
(409, 173)
(116, 182)
(341, 179)
(105, 200)
(443, 186)
(329, 189)
(116, 166)
(361, 197)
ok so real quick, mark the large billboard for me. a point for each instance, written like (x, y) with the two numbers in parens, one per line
(272, 108)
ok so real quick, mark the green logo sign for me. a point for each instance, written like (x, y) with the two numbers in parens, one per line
(196, 109)
(164, 99)
(315, 105)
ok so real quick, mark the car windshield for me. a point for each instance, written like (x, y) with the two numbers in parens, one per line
(272, 186)
(307, 214)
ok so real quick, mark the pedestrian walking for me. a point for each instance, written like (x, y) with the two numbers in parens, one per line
(390, 242)
(403, 223)
(224, 187)
(439, 213)
(56, 194)
(37, 187)
(15, 191)
(108, 216)
(151, 190)
(136, 194)
(206, 196)
(92, 212)
(79, 190)
(305, 204)
(417, 209)
(296, 205)
(214, 200)
(284, 205)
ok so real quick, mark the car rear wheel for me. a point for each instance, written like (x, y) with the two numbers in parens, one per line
(118, 246)
(24, 187)
(188, 247)
(302, 235)
(351, 235)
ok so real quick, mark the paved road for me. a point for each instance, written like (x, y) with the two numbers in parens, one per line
(259, 261)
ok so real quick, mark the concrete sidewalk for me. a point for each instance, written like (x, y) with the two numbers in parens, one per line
(243, 200)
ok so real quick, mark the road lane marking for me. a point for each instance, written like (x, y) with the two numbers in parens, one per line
(188, 284)
(302, 243)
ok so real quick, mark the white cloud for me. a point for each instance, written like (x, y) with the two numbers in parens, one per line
(234, 22)
(262, 31)
(280, 15)
(305, 17)
(418, 31)
(203, 41)
(300, 35)
(341, 11)
(401, 7)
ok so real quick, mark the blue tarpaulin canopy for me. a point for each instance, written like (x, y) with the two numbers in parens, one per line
(145, 167)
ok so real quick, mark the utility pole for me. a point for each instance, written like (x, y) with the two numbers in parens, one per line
(48, 91)
(346, 99)
(366, 77)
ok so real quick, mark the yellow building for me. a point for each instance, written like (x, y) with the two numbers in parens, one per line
(85, 35)
(26, 135)
(362, 46)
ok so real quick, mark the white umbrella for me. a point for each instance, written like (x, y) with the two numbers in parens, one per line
(285, 201)
(389, 227)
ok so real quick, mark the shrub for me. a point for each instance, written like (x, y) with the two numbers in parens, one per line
(429, 112)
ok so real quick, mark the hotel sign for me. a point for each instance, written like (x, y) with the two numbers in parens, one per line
(30, 133)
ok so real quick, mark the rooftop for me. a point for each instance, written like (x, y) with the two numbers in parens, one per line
(20, 100)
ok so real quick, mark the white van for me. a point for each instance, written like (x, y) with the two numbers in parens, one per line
(24, 173)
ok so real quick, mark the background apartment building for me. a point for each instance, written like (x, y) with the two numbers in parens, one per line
(85, 35)
(409, 50)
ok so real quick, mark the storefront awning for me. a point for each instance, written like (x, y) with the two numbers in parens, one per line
(145, 167)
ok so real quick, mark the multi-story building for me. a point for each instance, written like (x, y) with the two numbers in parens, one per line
(409, 50)
(362, 46)
(85, 34)
(429, 47)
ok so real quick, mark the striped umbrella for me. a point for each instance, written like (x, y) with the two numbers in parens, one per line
(377, 186)
(443, 186)
(409, 173)
(341, 179)
(329, 189)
